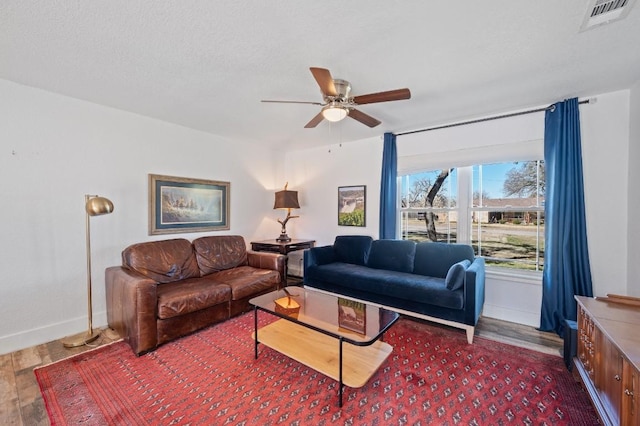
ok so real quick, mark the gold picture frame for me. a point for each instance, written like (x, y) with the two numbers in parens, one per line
(179, 205)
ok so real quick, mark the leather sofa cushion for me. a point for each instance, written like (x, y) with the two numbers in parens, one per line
(245, 281)
(392, 255)
(191, 295)
(217, 253)
(435, 259)
(163, 261)
(352, 248)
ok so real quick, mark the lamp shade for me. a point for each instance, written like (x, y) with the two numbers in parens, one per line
(96, 206)
(334, 112)
(286, 200)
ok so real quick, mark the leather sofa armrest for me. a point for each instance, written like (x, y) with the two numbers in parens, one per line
(267, 260)
(132, 302)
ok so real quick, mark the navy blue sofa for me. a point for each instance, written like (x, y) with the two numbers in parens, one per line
(438, 282)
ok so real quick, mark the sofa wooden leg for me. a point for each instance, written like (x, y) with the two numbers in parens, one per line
(470, 333)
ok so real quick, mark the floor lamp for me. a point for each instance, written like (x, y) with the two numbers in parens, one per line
(94, 206)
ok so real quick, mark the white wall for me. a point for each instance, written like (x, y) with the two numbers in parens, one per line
(54, 150)
(605, 137)
(633, 233)
(605, 148)
(318, 172)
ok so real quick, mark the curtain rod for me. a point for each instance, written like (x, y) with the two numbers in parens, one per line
(495, 117)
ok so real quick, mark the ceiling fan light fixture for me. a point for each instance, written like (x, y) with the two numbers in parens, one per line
(333, 112)
(338, 102)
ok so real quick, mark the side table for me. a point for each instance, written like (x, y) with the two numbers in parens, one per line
(282, 247)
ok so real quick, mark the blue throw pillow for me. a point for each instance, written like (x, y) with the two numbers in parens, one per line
(455, 276)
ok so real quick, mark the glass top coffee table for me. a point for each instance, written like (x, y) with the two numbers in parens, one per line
(314, 327)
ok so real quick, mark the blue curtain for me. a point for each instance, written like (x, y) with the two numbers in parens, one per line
(566, 260)
(388, 188)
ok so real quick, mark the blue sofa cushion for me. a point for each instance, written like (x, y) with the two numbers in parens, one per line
(455, 277)
(392, 255)
(398, 285)
(435, 259)
(352, 248)
(320, 255)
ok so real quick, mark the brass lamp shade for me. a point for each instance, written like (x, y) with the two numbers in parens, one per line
(94, 206)
(97, 206)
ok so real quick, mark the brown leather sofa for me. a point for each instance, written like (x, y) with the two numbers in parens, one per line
(170, 288)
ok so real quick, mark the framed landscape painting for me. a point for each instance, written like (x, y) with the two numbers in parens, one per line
(179, 205)
(352, 205)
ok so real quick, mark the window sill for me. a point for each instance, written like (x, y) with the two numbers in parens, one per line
(525, 277)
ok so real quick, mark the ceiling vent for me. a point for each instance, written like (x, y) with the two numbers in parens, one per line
(602, 12)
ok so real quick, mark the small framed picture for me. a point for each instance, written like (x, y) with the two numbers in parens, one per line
(352, 316)
(352, 205)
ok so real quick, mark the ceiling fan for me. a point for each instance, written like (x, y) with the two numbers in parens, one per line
(338, 102)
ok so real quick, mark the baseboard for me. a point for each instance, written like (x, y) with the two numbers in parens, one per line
(37, 336)
(512, 315)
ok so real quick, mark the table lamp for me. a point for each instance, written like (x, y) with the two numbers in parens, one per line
(286, 200)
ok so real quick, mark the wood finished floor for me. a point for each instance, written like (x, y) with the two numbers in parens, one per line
(22, 404)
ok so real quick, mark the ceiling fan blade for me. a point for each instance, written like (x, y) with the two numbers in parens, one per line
(391, 95)
(363, 118)
(325, 81)
(293, 102)
(314, 121)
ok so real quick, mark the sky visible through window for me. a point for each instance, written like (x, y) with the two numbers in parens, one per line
(493, 177)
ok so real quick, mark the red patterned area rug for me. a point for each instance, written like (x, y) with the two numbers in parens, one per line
(432, 377)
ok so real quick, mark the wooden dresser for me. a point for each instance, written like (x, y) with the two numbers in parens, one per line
(608, 356)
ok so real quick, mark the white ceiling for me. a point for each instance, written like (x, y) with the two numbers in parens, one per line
(207, 64)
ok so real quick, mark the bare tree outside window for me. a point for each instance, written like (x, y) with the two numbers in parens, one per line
(427, 191)
(525, 180)
(427, 199)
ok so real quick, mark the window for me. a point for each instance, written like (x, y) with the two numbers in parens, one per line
(429, 206)
(498, 208)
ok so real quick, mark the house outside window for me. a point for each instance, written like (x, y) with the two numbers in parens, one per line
(497, 208)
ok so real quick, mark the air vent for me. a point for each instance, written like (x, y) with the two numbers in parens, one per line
(602, 12)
